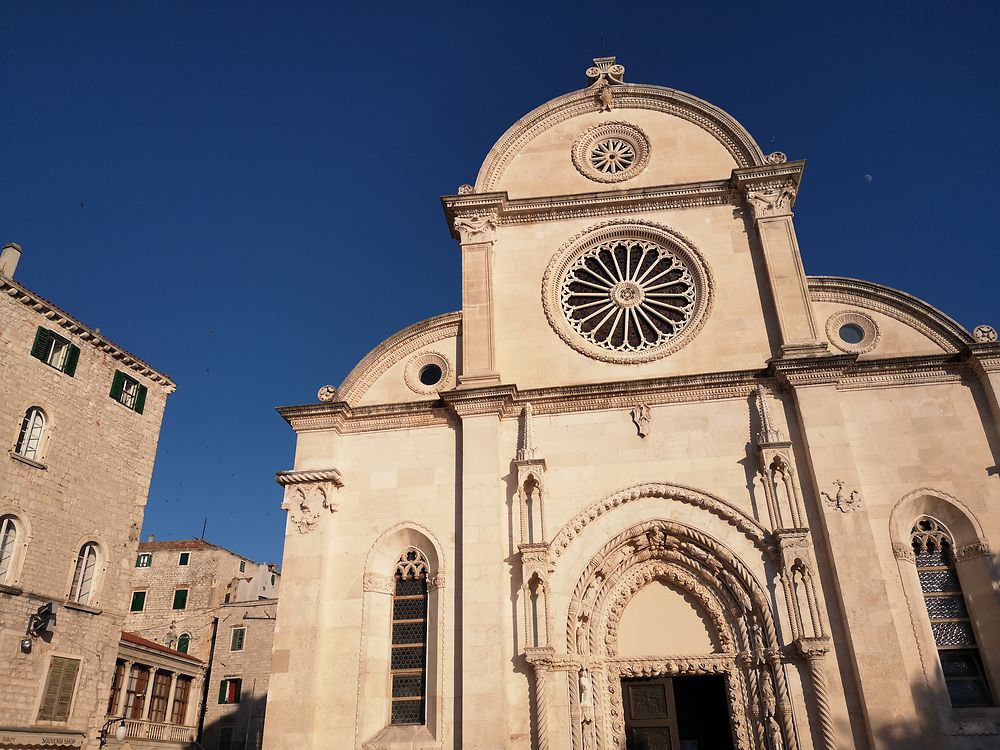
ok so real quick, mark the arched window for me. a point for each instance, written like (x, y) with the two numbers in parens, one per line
(84, 577)
(408, 661)
(184, 643)
(8, 542)
(29, 440)
(949, 616)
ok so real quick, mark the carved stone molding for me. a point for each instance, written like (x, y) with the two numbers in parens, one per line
(416, 365)
(978, 548)
(605, 70)
(772, 201)
(870, 331)
(813, 648)
(840, 501)
(902, 551)
(309, 476)
(611, 151)
(379, 584)
(476, 228)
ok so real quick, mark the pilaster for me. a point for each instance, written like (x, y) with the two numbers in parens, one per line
(476, 236)
(985, 358)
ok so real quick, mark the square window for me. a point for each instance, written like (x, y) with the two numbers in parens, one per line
(184, 559)
(138, 601)
(55, 351)
(144, 560)
(229, 690)
(238, 638)
(243, 566)
(128, 392)
(180, 599)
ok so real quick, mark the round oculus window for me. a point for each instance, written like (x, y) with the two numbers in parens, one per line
(852, 331)
(611, 152)
(428, 372)
(627, 292)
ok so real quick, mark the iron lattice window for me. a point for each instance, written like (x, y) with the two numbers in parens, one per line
(408, 660)
(950, 622)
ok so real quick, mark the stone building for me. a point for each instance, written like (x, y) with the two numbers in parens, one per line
(653, 486)
(178, 587)
(81, 419)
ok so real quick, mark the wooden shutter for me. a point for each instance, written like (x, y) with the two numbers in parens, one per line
(117, 384)
(236, 691)
(41, 346)
(222, 691)
(72, 357)
(140, 399)
(58, 695)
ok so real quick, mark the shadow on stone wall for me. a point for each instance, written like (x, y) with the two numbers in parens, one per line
(241, 730)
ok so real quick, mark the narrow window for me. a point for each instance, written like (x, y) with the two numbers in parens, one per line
(184, 558)
(8, 542)
(184, 643)
(408, 662)
(229, 690)
(144, 560)
(238, 637)
(949, 616)
(116, 687)
(55, 351)
(243, 566)
(181, 693)
(128, 392)
(83, 576)
(180, 599)
(135, 693)
(29, 440)
(138, 601)
(158, 697)
(57, 697)
(273, 578)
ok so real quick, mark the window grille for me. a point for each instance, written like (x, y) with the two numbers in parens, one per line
(408, 661)
(29, 440)
(949, 616)
(8, 540)
(83, 576)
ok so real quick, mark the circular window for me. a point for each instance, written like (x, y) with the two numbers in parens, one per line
(430, 374)
(852, 331)
(611, 152)
(627, 292)
(427, 373)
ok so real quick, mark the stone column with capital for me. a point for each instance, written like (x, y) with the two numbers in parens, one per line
(170, 697)
(119, 708)
(476, 235)
(769, 193)
(147, 698)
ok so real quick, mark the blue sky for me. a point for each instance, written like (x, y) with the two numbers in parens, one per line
(246, 194)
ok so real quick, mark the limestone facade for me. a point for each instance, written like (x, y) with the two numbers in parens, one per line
(649, 460)
(81, 419)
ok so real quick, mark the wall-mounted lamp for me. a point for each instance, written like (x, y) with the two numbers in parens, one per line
(120, 731)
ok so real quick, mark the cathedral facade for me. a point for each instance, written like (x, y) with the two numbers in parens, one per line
(652, 487)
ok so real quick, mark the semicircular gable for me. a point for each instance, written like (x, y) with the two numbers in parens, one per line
(391, 351)
(903, 307)
(721, 126)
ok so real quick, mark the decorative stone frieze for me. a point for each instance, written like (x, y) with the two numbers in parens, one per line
(904, 552)
(972, 550)
(379, 584)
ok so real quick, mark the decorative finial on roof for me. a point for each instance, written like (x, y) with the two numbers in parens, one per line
(526, 449)
(605, 71)
(768, 432)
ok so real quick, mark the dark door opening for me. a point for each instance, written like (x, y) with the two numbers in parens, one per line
(677, 713)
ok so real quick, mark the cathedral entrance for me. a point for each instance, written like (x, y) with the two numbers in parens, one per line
(677, 713)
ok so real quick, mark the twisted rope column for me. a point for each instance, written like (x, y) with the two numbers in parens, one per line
(540, 659)
(813, 650)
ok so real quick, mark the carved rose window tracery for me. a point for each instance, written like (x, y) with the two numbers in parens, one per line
(611, 152)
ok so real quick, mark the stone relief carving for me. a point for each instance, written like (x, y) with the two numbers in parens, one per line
(984, 334)
(642, 417)
(304, 504)
(979, 548)
(327, 393)
(466, 189)
(845, 504)
(605, 70)
(611, 151)
(772, 201)
(379, 583)
(903, 551)
(476, 227)
(606, 98)
(776, 157)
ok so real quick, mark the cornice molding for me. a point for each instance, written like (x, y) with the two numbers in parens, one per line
(67, 322)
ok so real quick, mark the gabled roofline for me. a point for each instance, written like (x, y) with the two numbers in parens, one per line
(64, 320)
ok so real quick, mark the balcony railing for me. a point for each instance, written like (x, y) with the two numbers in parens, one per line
(155, 730)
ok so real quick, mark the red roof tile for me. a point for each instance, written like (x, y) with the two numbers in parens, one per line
(138, 640)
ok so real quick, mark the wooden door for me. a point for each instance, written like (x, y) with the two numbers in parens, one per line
(650, 716)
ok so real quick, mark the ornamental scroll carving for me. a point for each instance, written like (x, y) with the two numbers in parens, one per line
(765, 202)
(476, 227)
(307, 503)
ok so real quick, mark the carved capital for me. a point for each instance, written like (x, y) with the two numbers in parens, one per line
(379, 584)
(437, 581)
(771, 201)
(475, 228)
(978, 548)
(903, 552)
(812, 648)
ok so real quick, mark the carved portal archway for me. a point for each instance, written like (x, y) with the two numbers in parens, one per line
(734, 604)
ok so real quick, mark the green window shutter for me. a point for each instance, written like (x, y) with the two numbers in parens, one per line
(236, 697)
(41, 346)
(72, 357)
(117, 384)
(222, 691)
(140, 399)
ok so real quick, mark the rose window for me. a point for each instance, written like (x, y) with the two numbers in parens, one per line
(628, 295)
(612, 156)
(627, 292)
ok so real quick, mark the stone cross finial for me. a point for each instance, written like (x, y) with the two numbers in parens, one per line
(768, 432)
(605, 70)
(526, 450)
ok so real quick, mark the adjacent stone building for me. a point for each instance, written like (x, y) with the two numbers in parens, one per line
(81, 419)
(653, 486)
